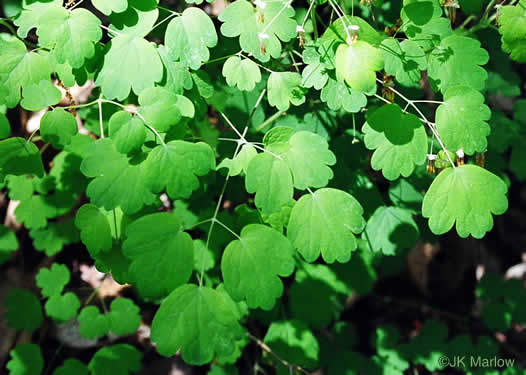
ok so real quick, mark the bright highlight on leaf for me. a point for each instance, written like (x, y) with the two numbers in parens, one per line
(467, 195)
(326, 223)
(241, 73)
(40, 96)
(285, 89)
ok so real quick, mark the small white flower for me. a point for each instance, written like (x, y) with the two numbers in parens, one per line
(460, 153)
(300, 29)
(260, 4)
(263, 36)
(431, 157)
(353, 27)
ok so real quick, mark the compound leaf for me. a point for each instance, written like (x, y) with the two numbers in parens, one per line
(26, 359)
(284, 89)
(467, 195)
(161, 254)
(241, 73)
(57, 127)
(240, 266)
(456, 61)
(93, 324)
(462, 120)
(62, 308)
(399, 141)
(53, 280)
(124, 316)
(325, 223)
(199, 321)
(176, 166)
(189, 36)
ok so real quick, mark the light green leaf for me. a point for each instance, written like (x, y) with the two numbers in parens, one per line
(336, 34)
(24, 311)
(325, 223)
(40, 95)
(293, 340)
(71, 367)
(53, 280)
(95, 231)
(399, 141)
(177, 78)
(176, 166)
(357, 64)
(117, 182)
(512, 22)
(240, 266)
(467, 195)
(127, 131)
(125, 316)
(34, 212)
(189, 36)
(8, 243)
(338, 96)
(31, 14)
(284, 89)
(26, 359)
(161, 108)
(270, 178)
(93, 324)
(462, 120)
(404, 60)
(315, 73)
(391, 229)
(120, 359)
(5, 127)
(20, 68)
(58, 126)
(260, 28)
(241, 73)
(71, 33)
(161, 254)
(199, 321)
(308, 157)
(62, 308)
(20, 187)
(132, 63)
(240, 162)
(110, 6)
(456, 61)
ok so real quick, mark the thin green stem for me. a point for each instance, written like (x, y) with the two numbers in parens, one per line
(227, 228)
(77, 106)
(221, 58)
(101, 122)
(32, 135)
(269, 121)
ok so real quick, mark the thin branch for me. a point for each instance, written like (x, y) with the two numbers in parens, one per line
(110, 30)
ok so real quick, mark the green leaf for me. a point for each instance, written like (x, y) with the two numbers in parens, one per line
(19, 157)
(315, 73)
(31, 14)
(293, 340)
(456, 61)
(40, 95)
(335, 33)
(324, 223)
(8, 243)
(404, 60)
(120, 359)
(110, 6)
(391, 229)
(24, 311)
(117, 182)
(161, 108)
(161, 254)
(176, 166)
(20, 187)
(284, 89)
(124, 316)
(54, 237)
(467, 195)
(93, 324)
(199, 321)
(20, 68)
(5, 128)
(71, 367)
(308, 157)
(260, 28)
(512, 27)
(53, 280)
(469, 130)
(244, 278)
(399, 141)
(132, 63)
(62, 308)
(57, 127)
(240, 162)
(127, 131)
(34, 212)
(270, 178)
(26, 359)
(177, 78)
(241, 73)
(71, 33)
(357, 64)
(95, 231)
(189, 36)
(403, 194)
(338, 96)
